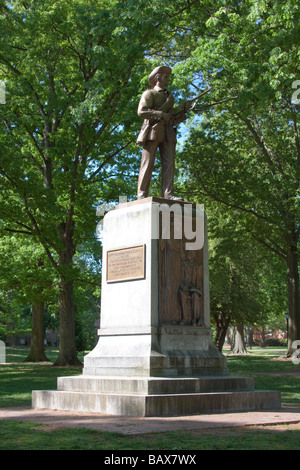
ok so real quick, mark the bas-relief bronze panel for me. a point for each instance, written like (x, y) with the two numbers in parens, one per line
(180, 283)
(125, 264)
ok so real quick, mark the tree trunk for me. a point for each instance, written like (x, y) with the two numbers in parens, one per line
(37, 351)
(239, 342)
(262, 338)
(222, 321)
(293, 293)
(250, 341)
(67, 350)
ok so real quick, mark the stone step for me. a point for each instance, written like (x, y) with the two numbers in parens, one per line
(157, 366)
(154, 385)
(156, 405)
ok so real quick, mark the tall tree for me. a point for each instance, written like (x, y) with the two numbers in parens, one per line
(26, 275)
(60, 124)
(72, 70)
(245, 152)
(245, 279)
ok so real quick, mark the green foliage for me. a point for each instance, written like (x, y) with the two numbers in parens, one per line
(14, 317)
(25, 270)
(243, 149)
(70, 122)
(247, 282)
(60, 121)
(244, 152)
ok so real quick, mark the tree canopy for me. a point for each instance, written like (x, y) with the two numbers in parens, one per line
(244, 152)
(73, 71)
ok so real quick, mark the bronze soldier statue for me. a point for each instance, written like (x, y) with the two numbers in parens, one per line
(159, 131)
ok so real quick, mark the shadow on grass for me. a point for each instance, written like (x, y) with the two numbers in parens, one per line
(260, 363)
(18, 381)
(16, 435)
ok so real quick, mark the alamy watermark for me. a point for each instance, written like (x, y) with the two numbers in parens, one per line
(295, 99)
(296, 353)
(295, 96)
(2, 352)
(176, 220)
(2, 93)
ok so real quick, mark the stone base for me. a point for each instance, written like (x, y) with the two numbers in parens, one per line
(155, 355)
(157, 352)
(144, 396)
(156, 366)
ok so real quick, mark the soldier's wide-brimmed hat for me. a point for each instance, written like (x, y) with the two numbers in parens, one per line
(160, 69)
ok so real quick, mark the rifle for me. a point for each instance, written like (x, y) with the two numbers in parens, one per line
(143, 134)
(183, 105)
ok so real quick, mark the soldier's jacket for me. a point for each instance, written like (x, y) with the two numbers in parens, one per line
(152, 105)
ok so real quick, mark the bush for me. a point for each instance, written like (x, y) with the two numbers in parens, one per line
(275, 342)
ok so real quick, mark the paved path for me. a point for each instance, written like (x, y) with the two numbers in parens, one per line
(131, 425)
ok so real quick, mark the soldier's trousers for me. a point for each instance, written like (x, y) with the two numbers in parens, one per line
(167, 155)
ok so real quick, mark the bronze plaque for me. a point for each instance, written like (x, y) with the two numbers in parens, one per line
(125, 264)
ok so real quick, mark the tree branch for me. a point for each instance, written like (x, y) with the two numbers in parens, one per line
(215, 103)
(110, 157)
(235, 206)
(267, 151)
(6, 229)
(273, 247)
(39, 235)
(295, 128)
(189, 5)
(36, 146)
(17, 72)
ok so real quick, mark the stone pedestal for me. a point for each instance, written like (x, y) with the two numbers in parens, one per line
(155, 355)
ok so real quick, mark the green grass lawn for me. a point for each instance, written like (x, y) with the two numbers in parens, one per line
(18, 379)
(23, 435)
